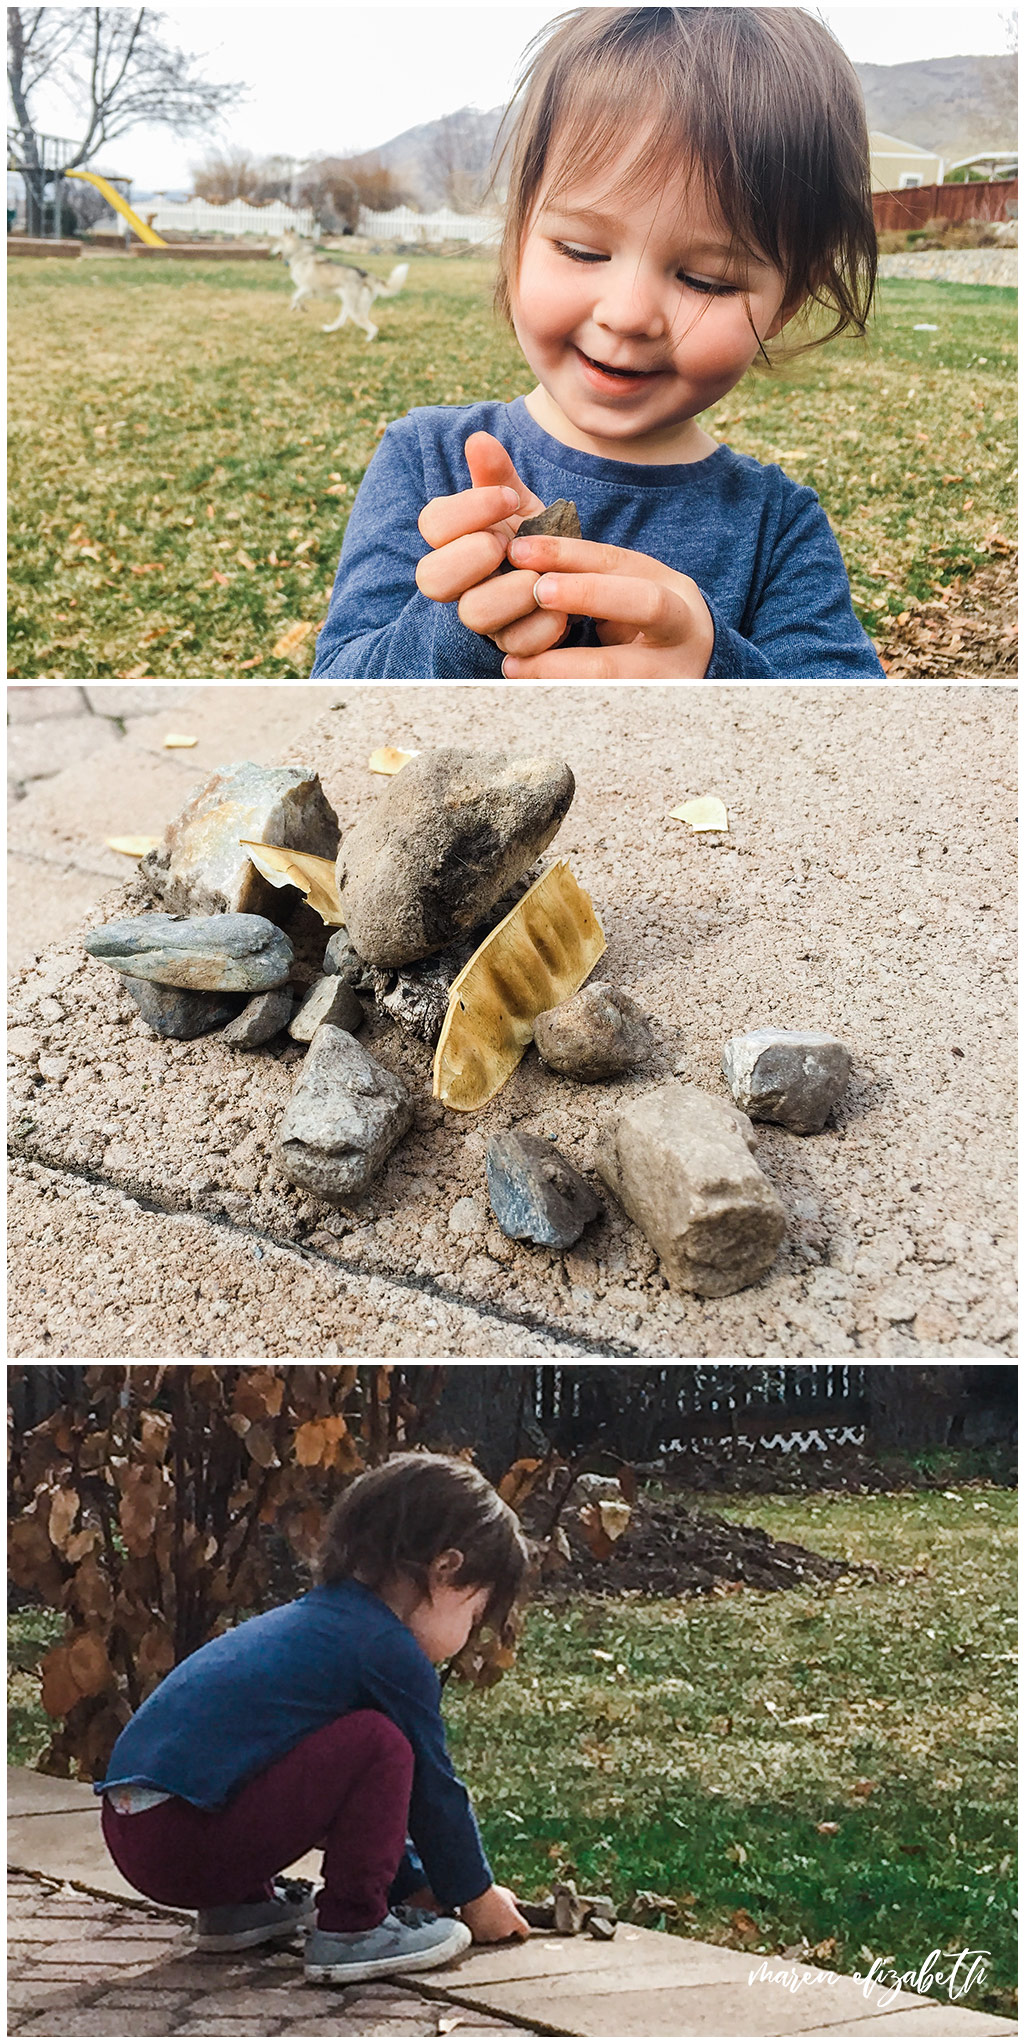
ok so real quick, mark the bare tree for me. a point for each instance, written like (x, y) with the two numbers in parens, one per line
(115, 66)
(454, 162)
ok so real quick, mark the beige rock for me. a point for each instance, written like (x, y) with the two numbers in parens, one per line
(201, 868)
(680, 1163)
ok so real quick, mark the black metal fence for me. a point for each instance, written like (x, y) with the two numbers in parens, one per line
(642, 1412)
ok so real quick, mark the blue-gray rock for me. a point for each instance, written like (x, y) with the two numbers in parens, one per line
(680, 1163)
(342, 958)
(329, 1000)
(208, 954)
(261, 1018)
(346, 1113)
(596, 1034)
(792, 1076)
(174, 1011)
(446, 838)
(202, 869)
(536, 1194)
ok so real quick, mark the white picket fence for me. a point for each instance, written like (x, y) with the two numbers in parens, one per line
(199, 217)
(402, 224)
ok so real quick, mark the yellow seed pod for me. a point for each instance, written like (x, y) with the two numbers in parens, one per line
(535, 958)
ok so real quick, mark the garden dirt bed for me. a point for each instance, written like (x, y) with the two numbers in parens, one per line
(669, 1550)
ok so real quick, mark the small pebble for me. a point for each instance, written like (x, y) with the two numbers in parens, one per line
(596, 1034)
(342, 958)
(261, 1018)
(330, 1000)
(536, 1194)
(792, 1076)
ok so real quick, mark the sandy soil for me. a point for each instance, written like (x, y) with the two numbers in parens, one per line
(865, 887)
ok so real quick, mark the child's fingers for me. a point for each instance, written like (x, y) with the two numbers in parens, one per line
(532, 635)
(448, 518)
(488, 606)
(460, 565)
(650, 607)
(490, 463)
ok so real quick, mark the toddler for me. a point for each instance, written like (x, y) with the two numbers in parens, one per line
(319, 1724)
(683, 181)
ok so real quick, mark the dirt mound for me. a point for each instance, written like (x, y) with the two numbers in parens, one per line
(968, 630)
(668, 1550)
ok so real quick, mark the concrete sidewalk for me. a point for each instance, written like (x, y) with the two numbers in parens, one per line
(87, 1958)
(865, 886)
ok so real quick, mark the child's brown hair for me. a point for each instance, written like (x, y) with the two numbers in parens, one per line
(397, 1519)
(758, 104)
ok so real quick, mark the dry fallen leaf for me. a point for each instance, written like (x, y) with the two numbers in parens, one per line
(535, 958)
(314, 877)
(179, 741)
(291, 640)
(704, 812)
(133, 847)
(614, 1517)
(388, 759)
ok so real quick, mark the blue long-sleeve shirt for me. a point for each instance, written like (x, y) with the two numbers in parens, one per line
(758, 545)
(246, 1698)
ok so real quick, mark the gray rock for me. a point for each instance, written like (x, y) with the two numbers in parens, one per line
(596, 1034)
(201, 869)
(261, 1018)
(172, 1011)
(448, 835)
(679, 1161)
(209, 954)
(342, 958)
(793, 1076)
(330, 1000)
(536, 1194)
(345, 1115)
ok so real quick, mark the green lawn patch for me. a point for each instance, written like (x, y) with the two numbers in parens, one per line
(184, 452)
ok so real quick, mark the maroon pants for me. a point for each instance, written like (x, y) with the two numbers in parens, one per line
(346, 1787)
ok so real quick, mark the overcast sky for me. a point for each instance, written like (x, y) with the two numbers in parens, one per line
(342, 78)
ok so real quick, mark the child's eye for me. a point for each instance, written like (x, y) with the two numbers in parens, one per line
(706, 288)
(579, 255)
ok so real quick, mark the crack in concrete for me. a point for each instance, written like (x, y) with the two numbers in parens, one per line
(65, 865)
(407, 1281)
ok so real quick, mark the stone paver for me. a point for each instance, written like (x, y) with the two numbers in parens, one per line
(84, 1961)
(857, 890)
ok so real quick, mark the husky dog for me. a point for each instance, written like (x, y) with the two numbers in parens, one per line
(316, 277)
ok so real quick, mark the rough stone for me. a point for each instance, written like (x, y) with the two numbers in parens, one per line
(342, 958)
(447, 836)
(536, 1194)
(208, 954)
(175, 1011)
(346, 1113)
(260, 1019)
(793, 1076)
(597, 1034)
(201, 868)
(680, 1163)
(330, 1000)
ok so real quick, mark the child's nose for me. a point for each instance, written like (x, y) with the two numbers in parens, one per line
(632, 302)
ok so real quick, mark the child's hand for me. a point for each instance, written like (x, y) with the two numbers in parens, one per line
(652, 621)
(470, 533)
(494, 1915)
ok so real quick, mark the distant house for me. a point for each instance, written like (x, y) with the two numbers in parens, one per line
(898, 166)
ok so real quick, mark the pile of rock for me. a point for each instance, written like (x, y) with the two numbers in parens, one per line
(420, 881)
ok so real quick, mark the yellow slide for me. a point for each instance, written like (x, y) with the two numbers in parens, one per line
(113, 198)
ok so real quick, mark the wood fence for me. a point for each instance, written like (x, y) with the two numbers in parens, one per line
(202, 218)
(402, 224)
(918, 204)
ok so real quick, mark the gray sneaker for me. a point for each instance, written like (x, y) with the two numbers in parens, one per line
(233, 1927)
(410, 1942)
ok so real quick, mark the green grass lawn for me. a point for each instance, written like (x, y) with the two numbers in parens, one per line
(184, 452)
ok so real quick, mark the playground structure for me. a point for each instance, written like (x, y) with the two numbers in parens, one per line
(44, 161)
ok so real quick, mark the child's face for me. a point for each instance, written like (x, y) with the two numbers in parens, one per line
(644, 285)
(443, 1620)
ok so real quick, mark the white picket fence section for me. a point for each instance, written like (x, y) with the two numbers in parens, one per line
(402, 224)
(199, 217)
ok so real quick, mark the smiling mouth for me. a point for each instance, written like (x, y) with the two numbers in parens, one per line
(627, 375)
